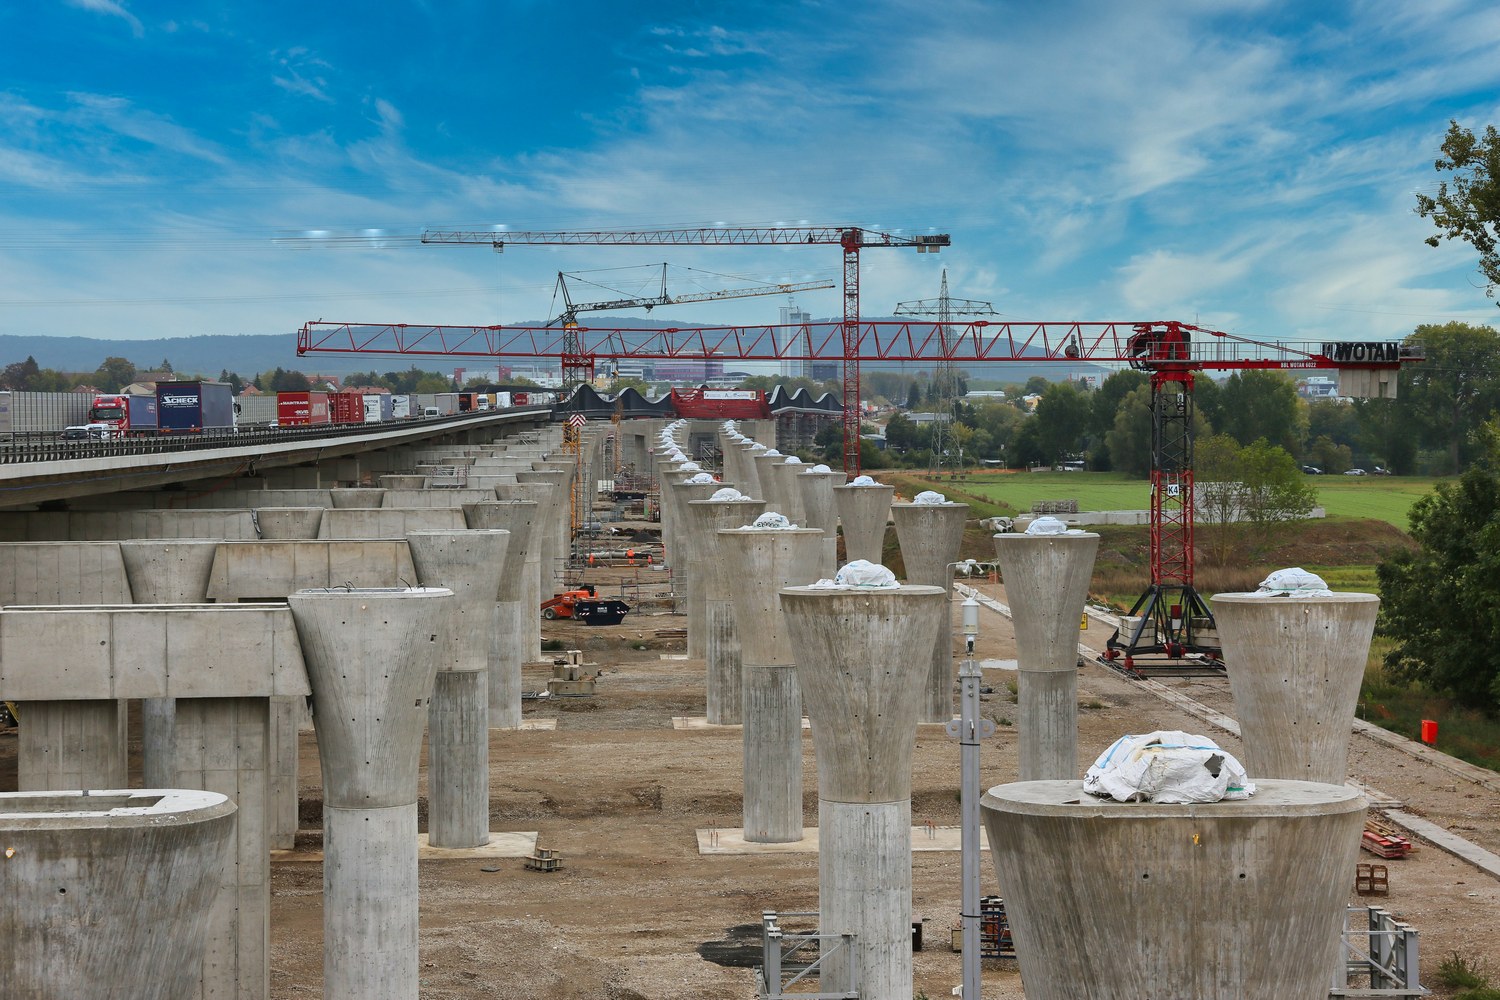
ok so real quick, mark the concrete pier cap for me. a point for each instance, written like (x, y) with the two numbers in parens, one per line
(107, 891)
(1295, 665)
(1046, 583)
(283, 523)
(722, 648)
(1128, 899)
(372, 656)
(930, 535)
(853, 648)
(864, 511)
(358, 497)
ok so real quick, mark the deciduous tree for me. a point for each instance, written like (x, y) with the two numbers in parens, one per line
(1469, 209)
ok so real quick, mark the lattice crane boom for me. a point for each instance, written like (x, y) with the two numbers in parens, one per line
(850, 239)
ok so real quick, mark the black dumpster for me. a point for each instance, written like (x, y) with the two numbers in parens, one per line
(600, 612)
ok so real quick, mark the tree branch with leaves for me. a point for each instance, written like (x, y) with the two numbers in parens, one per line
(1467, 206)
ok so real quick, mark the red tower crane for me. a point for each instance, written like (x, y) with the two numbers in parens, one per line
(852, 239)
(1171, 352)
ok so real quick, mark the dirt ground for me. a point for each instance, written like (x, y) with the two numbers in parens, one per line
(619, 794)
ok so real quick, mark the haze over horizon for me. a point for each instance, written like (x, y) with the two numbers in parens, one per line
(179, 169)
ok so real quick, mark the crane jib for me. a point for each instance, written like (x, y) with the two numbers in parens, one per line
(1364, 350)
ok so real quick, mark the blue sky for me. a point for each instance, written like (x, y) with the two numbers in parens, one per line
(1246, 165)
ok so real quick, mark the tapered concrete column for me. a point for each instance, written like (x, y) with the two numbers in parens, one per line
(372, 656)
(749, 481)
(1046, 583)
(1295, 666)
(1117, 899)
(276, 523)
(470, 564)
(538, 554)
(688, 575)
(770, 482)
(864, 511)
(668, 476)
(863, 699)
(731, 458)
(105, 895)
(174, 571)
(722, 645)
(791, 494)
(930, 536)
(360, 497)
(515, 608)
(72, 744)
(816, 490)
(560, 525)
(760, 562)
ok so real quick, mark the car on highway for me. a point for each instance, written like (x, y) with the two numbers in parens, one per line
(1312, 470)
(87, 432)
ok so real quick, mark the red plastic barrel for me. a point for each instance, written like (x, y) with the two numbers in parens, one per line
(1429, 731)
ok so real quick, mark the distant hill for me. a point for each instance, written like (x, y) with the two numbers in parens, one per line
(251, 353)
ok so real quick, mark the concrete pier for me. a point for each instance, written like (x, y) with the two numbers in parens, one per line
(749, 481)
(786, 473)
(516, 606)
(722, 649)
(1295, 667)
(164, 571)
(539, 553)
(863, 512)
(72, 744)
(930, 536)
(816, 491)
(372, 656)
(863, 700)
(1046, 584)
(770, 481)
(687, 574)
(220, 735)
(559, 526)
(760, 563)
(106, 892)
(469, 563)
(287, 523)
(1209, 901)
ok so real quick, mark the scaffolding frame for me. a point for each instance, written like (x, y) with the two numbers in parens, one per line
(782, 954)
(1383, 950)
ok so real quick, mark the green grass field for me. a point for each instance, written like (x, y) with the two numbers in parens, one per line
(1382, 498)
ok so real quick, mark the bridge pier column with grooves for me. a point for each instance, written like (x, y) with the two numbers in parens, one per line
(816, 489)
(1046, 583)
(469, 563)
(515, 610)
(863, 700)
(930, 536)
(165, 572)
(1209, 901)
(760, 562)
(558, 525)
(106, 891)
(722, 652)
(864, 511)
(791, 494)
(770, 482)
(372, 656)
(691, 541)
(1295, 665)
(749, 483)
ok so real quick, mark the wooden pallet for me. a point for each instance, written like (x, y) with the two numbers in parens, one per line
(544, 860)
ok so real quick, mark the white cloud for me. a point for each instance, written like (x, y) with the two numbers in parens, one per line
(111, 8)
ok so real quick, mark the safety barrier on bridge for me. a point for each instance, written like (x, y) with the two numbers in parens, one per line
(34, 447)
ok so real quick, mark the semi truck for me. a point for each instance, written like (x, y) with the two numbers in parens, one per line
(446, 403)
(379, 407)
(302, 409)
(124, 414)
(401, 408)
(194, 407)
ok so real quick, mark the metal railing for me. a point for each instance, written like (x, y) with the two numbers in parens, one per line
(22, 447)
(786, 953)
(1383, 952)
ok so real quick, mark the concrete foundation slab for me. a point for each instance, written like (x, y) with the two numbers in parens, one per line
(731, 840)
(502, 844)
